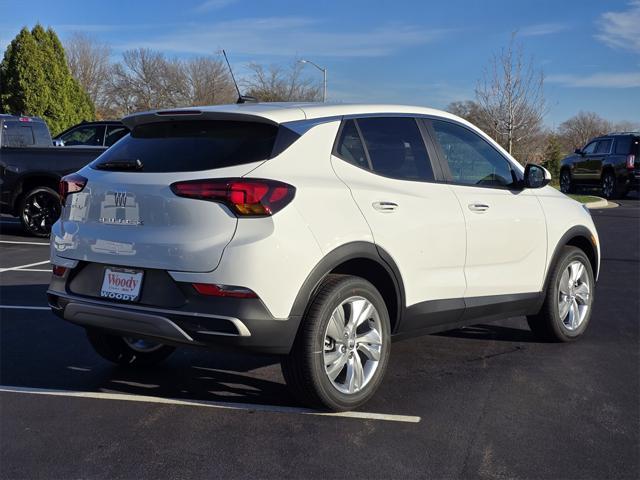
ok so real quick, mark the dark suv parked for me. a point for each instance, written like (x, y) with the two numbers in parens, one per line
(611, 162)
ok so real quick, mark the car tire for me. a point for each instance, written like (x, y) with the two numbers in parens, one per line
(566, 182)
(340, 366)
(38, 211)
(609, 185)
(567, 307)
(126, 351)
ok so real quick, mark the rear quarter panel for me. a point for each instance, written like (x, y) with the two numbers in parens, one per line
(273, 256)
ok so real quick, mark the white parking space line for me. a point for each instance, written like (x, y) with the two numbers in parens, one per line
(23, 307)
(23, 266)
(32, 270)
(209, 404)
(15, 242)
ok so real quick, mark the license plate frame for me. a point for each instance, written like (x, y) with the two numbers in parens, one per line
(122, 284)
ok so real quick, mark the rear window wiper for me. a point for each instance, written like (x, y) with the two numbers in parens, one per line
(123, 164)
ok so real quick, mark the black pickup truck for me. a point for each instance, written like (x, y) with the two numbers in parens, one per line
(30, 170)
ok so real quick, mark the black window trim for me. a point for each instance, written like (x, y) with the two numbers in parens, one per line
(435, 166)
(444, 165)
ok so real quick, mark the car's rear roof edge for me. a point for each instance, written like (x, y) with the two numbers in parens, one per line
(263, 113)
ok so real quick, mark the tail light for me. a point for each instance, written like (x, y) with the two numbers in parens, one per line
(631, 160)
(215, 290)
(69, 184)
(246, 197)
(59, 271)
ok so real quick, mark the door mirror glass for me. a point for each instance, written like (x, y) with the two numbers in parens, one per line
(536, 176)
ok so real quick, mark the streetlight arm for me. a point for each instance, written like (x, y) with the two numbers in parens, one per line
(324, 76)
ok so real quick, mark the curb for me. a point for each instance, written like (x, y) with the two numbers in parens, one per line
(601, 203)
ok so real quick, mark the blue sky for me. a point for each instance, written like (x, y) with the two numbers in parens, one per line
(415, 51)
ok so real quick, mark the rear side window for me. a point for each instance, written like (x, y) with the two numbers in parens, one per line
(604, 146)
(194, 145)
(389, 146)
(17, 134)
(623, 145)
(350, 147)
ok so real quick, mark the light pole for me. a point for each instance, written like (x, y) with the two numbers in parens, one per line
(324, 76)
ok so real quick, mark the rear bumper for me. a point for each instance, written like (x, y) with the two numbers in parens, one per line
(229, 323)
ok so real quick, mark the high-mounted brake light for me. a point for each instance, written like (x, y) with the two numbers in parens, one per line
(215, 290)
(631, 160)
(246, 197)
(25, 119)
(69, 184)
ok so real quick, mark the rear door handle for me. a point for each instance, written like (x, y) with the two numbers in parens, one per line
(478, 207)
(385, 207)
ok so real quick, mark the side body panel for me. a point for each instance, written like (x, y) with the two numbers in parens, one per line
(506, 242)
(425, 234)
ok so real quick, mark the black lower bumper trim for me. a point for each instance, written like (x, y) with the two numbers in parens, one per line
(259, 332)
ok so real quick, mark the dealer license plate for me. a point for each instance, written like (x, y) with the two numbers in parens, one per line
(121, 284)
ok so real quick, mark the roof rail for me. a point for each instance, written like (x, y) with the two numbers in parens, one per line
(635, 132)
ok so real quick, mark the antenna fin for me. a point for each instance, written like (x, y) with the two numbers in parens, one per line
(241, 98)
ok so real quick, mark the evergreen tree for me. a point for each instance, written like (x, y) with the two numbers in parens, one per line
(35, 80)
(553, 157)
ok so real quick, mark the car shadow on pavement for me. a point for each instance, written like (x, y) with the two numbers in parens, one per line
(40, 350)
(491, 332)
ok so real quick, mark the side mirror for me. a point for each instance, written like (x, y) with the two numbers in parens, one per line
(536, 176)
(58, 142)
(578, 151)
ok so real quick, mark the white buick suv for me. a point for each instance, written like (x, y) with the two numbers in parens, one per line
(315, 232)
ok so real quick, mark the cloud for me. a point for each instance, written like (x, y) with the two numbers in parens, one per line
(289, 36)
(542, 29)
(621, 29)
(213, 5)
(597, 80)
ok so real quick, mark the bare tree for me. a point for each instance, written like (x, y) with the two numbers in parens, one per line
(511, 98)
(277, 84)
(208, 82)
(579, 129)
(90, 65)
(146, 80)
(472, 112)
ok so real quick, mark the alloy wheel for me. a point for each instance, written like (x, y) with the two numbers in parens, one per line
(352, 345)
(40, 212)
(574, 295)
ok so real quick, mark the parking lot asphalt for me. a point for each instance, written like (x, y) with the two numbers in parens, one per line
(482, 402)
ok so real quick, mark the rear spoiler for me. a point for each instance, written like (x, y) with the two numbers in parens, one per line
(231, 112)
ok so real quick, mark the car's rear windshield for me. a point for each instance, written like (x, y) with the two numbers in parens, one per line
(25, 134)
(192, 145)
